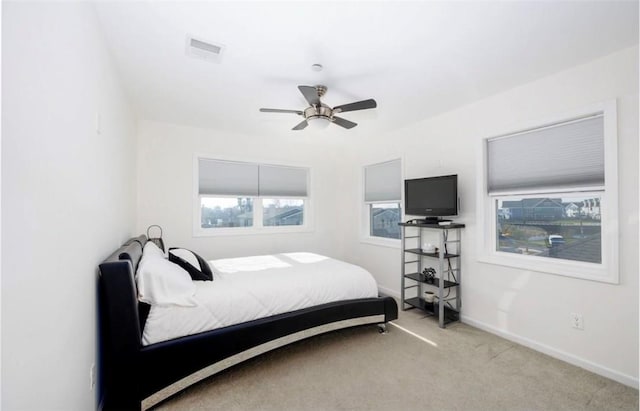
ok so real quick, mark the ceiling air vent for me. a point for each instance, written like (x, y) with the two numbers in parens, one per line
(204, 50)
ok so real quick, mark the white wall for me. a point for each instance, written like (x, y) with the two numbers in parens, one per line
(0, 210)
(68, 198)
(530, 307)
(165, 187)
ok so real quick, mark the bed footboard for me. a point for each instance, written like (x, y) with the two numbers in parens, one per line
(173, 365)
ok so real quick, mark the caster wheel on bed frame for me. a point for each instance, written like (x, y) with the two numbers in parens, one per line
(382, 328)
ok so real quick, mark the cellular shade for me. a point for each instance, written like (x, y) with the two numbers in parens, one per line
(283, 181)
(564, 156)
(231, 178)
(217, 177)
(382, 182)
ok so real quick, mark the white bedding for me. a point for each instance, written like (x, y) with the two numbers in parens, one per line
(249, 288)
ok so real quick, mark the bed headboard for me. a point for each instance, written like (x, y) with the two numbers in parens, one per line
(121, 320)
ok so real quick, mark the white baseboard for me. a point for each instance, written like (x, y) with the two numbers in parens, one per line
(389, 292)
(555, 353)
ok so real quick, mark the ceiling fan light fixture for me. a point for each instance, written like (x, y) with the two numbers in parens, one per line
(318, 122)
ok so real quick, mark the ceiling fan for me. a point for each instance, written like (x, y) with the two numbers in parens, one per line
(320, 111)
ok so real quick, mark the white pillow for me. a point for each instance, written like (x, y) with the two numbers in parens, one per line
(161, 282)
(151, 249)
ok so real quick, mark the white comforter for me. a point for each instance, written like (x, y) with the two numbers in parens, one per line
(249, 288)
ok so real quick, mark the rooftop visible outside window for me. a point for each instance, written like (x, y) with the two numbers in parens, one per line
(282, 211)
(384, 220)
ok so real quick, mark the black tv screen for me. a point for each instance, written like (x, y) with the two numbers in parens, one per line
(432, 196)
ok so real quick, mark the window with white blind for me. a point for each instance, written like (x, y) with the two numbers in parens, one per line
(549, 197)
(234, 197)
(382, 195)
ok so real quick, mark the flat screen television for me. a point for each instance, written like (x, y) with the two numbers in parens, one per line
(431, 197)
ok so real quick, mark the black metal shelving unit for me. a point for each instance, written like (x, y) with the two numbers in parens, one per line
(448, 275)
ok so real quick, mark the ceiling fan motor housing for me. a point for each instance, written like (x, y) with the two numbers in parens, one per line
(321, 111)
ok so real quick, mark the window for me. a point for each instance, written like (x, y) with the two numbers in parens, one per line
(382, 184)
(285, 211)
(219, 212)
(549, 197)
(384, 219)
(237, 196)
(566, 227)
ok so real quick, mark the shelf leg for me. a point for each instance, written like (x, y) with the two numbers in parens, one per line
(441, 283)
(402, 267)
(459, 267)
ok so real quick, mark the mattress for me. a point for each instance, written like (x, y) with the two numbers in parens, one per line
(249, 288)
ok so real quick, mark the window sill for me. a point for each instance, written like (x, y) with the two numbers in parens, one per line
(565, 268)
(239, 231)
(382, 242)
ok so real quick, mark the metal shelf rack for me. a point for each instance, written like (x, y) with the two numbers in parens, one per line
(448, 276)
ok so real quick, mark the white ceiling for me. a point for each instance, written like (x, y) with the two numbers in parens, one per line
(416, 59)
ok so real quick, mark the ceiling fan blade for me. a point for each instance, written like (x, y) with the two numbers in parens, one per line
(310, 94)
(359, 105)
(344, 123)
(300, 126)
(277, 110)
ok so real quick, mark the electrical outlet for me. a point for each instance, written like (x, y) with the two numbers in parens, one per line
(92, 377)
(576, 321)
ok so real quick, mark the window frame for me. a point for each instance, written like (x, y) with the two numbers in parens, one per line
(608, 270)
(257, 227)
(365, 208)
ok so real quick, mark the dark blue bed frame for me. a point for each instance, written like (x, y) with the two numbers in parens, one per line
(135, 377)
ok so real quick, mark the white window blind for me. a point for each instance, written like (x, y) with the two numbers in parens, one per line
(568, 155)
(218, 177)
(283, 181)
(382, 182)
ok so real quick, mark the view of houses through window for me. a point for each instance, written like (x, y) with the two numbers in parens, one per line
(217, 212)
(282, 211)
(557, 227)
(384, 220)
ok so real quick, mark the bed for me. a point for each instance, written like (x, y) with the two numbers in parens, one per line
(138, 370)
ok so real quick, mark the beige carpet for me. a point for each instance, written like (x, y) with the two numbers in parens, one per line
(460, 368)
